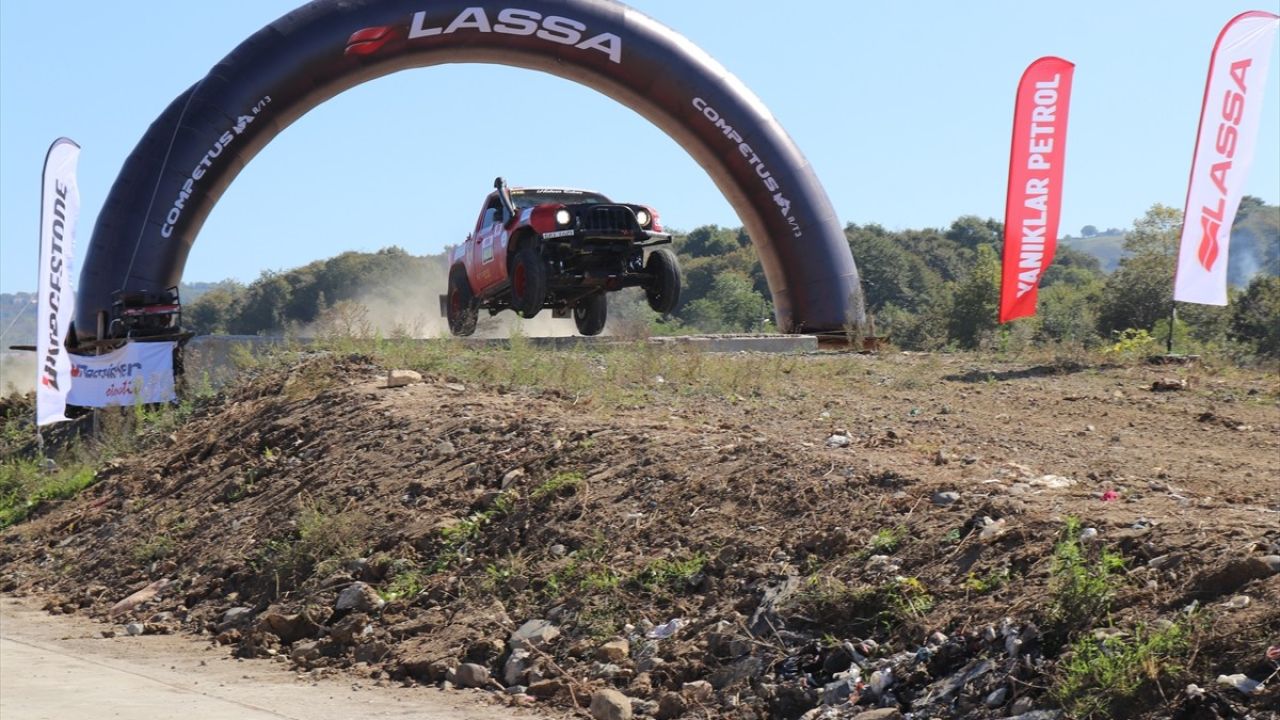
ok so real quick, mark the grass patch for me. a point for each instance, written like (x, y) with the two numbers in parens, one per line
(407, 583)
(843, 609)
(887, 540)
(325, 540)
(988, 583)
(1082, 583)
(670, 574)
(26, 484)
(1112, 678)
(563, 483)
(157, 548)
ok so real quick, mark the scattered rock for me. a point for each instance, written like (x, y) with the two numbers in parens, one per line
(992, 530)
(549, 688)
(359, 597)
(471, 675)
(291, 628)
(996, 698)
(400, 378)
(145, 594)
(610, 704)
(236, 616)
(838, 441)
(698, 691)
(671, 706)
(1168, 385)
(134, 629)
(511, 477)
(1021, 706)
(533, 634)
(614, 651)
(880, 714)
(306, 653)
(516, 666)
(943, 499)
(349, 628)
(1165, 562)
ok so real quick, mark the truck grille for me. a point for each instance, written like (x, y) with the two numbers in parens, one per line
(611, 219)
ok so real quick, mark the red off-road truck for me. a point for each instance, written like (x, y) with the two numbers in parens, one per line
(538, 248)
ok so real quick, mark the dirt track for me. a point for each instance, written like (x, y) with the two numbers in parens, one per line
(788, 510)
(61, 668)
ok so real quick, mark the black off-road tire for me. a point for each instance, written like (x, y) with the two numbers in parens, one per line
(663, 290)
(463, 312)
(591, 313)
(528, 281)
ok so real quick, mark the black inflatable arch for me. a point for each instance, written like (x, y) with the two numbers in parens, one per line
(197, 146)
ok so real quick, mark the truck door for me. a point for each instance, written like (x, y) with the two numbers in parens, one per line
(485, 259)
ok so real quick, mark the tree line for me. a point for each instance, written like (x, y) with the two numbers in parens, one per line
(925, 289)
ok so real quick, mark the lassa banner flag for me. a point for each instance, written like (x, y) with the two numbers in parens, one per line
(136, 373)
(59, 210)
(1225, 144)
(1034, 203)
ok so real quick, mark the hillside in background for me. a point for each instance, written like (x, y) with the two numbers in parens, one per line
(1255, 243)
(925, 288)
(18, 311)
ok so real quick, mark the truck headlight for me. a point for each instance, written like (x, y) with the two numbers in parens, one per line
(563, 217)
(642, 217)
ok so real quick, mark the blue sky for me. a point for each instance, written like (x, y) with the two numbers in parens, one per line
(903, 108)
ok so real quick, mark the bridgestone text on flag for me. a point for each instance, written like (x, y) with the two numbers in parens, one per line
(59, 210)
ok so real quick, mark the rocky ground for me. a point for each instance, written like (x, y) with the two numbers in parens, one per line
(677, 535)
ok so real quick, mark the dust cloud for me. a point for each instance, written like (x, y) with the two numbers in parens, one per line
(411, 308)
(17, 372)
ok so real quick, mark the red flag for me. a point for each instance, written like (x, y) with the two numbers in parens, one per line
(1034, 202)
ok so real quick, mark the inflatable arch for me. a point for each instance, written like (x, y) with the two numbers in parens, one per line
(197, 146)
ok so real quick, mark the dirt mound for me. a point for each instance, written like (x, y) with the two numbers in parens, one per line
(933, 535)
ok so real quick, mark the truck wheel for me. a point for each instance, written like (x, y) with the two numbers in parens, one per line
(663, 290)
(591, 313)
(463, 311)
(528, 281)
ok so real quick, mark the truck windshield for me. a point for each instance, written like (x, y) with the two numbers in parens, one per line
(531, 197)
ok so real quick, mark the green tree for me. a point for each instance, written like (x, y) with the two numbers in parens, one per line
(890, 274)
(977, 298)
(1255, 317)
(1068, 313)
(1072, 267)
(1140, 291)
(262, 307)
(213, 312)
(1088, 231)
(732, 305)
(1255, 242)
(710, 240)
(970, 231)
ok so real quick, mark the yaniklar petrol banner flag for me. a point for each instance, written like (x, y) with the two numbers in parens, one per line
(1034, 202)
(59, 209)
(1225, 142)
(138, 373)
